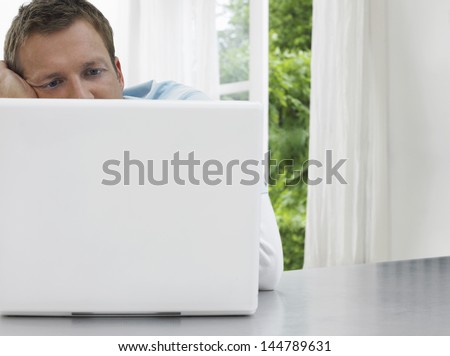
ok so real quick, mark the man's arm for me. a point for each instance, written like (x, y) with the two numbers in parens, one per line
(12, 85)
(270, 250)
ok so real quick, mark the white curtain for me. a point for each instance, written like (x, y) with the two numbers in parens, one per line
(348, 224)
(170, 40)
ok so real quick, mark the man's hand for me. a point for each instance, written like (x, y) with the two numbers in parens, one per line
(12, 85)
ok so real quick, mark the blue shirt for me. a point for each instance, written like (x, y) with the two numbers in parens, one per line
(167, 90)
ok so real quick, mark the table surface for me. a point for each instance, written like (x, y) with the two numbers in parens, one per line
(391, 298)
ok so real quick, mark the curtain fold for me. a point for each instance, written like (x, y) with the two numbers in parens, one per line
(172, 40)
(166, 40)
(349, 223)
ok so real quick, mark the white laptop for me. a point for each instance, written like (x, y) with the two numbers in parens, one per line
(89, 225)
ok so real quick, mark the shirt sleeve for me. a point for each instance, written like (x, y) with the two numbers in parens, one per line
(270, 250)
(167, 90)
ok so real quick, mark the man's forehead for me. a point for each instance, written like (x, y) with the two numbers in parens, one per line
(80, 28)
(72, 47)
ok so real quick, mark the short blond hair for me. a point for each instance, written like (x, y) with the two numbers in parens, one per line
(50, 16)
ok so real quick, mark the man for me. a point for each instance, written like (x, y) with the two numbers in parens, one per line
(65, 49)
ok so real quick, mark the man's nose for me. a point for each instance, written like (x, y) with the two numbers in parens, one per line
(79, 90)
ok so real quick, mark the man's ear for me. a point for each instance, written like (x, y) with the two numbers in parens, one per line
(119, 72)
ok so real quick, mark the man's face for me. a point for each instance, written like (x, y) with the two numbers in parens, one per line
(72, 63)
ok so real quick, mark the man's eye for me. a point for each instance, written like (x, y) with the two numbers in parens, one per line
(53, 83)
(94, 72)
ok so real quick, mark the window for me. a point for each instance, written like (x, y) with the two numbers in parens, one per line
(243, 29)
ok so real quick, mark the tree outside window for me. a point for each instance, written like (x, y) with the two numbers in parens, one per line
(289, 100)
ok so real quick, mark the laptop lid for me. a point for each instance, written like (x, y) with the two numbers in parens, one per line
(129, 207)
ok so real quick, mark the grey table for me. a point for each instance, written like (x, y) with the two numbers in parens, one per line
(394, 298)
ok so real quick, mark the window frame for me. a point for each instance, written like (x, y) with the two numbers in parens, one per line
(258, 83)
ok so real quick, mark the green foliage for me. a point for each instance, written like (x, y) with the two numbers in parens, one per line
(289, 136)
(243, 96)
(289, 90)
(234, 44)
(291, 21)
(289, 204)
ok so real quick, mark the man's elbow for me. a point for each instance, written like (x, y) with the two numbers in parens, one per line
(270, 267)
